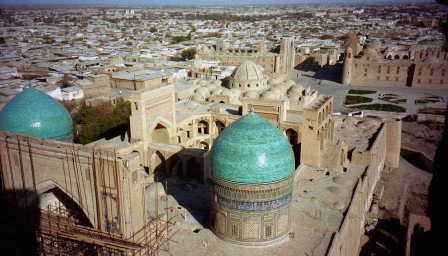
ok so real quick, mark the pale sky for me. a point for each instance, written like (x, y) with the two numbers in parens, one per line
(204, 2)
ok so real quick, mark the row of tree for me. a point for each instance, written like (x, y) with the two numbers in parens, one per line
(92, 123)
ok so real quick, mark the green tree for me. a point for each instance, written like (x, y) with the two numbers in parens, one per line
(106, 120)
(276, 49)
(188, 54)
(179, 39)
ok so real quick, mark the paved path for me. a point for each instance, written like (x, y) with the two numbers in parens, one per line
(339, 91)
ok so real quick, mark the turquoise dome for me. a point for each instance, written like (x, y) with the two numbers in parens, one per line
(252, 151)
(36, 114)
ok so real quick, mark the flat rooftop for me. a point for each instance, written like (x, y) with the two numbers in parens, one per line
(142, 75)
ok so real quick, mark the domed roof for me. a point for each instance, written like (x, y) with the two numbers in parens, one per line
(36, 114)
(252, 95)
(252, 151)
(248, 71)
(270, 95)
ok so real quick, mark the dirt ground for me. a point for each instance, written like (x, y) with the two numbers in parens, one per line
(421, 137)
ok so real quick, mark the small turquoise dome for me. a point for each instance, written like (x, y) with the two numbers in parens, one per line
(36, 114)
(252, 151)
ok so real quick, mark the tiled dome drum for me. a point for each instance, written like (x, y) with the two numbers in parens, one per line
(36, 114)
(252, 166)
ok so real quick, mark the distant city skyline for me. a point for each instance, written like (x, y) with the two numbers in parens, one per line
(203, 2)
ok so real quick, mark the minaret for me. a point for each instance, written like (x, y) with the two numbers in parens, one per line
(287, 52)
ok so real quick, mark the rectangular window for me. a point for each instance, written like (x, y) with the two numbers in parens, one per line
(398, 70)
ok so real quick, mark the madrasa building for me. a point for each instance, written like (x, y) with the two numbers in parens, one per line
(259, 167)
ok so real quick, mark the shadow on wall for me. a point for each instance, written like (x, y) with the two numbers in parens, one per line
(182, 178)
(328, 72)
(387, 239)
(417, 159)
(19, 222)
(437, 190)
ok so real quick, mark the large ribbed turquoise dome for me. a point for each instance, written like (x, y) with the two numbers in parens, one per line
(36, 114)
(252, 151)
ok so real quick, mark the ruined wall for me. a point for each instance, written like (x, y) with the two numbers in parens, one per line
(346, 241)
(393, 148)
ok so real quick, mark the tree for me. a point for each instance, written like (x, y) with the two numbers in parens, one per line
(179, 39)
(106, 120)
(276, 49)
(48, 40)
(153, 30)
(188, 54)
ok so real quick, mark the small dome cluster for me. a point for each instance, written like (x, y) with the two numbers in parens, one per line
(248, 77)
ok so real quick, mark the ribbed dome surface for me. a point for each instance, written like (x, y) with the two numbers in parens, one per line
(248, 71)
(252, 151)
(36, 114)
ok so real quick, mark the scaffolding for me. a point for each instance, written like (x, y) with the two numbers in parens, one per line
(97, 189)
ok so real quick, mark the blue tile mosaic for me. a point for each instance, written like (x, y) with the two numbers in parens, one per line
(36, 114)
(252, 151)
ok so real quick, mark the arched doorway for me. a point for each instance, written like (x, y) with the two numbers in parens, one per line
(219, 126)
(158, 166)
(203, 127)
(293, 138)
(160, 134)
(58, 202)
(204, 145)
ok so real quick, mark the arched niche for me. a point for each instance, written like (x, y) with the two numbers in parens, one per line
(203, 127)
(294, 140)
